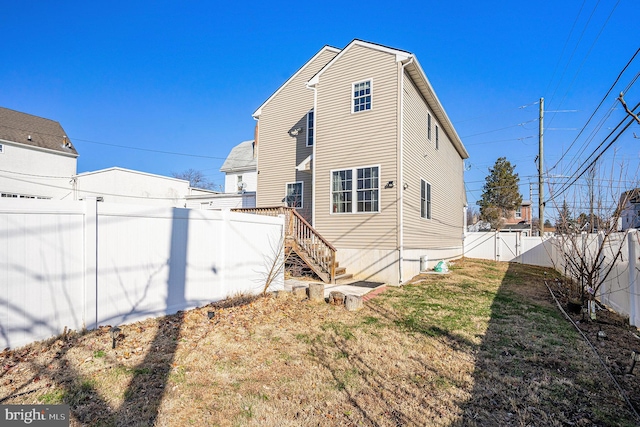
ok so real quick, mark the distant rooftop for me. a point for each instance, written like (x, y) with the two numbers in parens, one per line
(32, 130)
(240, 158)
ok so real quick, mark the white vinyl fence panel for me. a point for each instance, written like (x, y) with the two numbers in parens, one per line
(87, 264)
(620, 290)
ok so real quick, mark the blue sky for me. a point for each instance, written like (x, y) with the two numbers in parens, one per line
(133, 81)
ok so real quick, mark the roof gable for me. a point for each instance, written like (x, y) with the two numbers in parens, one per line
(400, 55)
(415, 72)
(34, 131)
(240, 158)
(327, 48)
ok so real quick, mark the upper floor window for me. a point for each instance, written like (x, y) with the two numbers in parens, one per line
(437, 138)
(519, 212)
(293, 199)
(366, 192)
(310, 128)
(425, 199)
(429, 126)
(362, 96)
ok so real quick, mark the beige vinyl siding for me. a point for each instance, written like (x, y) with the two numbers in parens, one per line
(279, 152)
(442, 168)
(347, 140)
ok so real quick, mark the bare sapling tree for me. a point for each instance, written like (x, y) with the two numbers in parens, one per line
(274, 263)
(589, 237)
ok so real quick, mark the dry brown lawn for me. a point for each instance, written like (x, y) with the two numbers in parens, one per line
(482, 346)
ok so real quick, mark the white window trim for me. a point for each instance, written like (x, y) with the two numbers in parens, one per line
(1, 149)
(352, 98)
(518, 213)
(286, 193)
(354, 191)
(314, 128)
(429, 209)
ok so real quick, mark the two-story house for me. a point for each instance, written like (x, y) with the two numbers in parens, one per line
(240, 169)
(37, 159)
(519, 220)
(359, 144)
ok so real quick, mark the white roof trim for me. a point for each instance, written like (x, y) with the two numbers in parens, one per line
(400, 56)
(119, 169)
(432, 99)
(258, 112)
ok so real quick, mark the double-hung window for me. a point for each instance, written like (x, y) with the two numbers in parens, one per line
(519, 212)
(437, 138)
(1, 148)
(362, 96)
(293, 198)
(429, 126)
(425, 199)
(365, 192)
(310, 128)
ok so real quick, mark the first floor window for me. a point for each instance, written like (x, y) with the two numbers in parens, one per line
(1, 148)
(362, 96)
(365, 192)
(425, 199)
(293, 198)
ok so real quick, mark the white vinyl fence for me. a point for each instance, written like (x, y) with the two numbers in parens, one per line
(621, 289)
(85, 264)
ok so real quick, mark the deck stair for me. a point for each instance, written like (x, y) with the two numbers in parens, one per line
(301, 238)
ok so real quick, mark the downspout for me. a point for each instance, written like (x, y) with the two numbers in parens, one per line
(401, 176)
(314, 157)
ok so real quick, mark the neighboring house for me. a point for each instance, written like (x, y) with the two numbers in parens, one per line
(239, 182)
(37, 159)
(629, 206)
(520, 219)
(240, 169)
(359, 144)
(118, 185)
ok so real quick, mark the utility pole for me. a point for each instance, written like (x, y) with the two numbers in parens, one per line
(541, 169)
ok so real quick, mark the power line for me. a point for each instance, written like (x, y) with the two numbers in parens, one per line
(173, 153)
(496, 130)
(500, 140)
(598, 107)
(522, 107)
(630, 122)
(575, 21)
(584, 29)
(588, 53)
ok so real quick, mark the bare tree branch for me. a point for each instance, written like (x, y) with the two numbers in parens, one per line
(629, 112)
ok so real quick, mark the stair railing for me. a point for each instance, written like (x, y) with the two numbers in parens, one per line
(304, 236)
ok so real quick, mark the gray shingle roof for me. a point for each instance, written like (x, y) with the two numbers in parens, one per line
(44, 133)
(240, 158)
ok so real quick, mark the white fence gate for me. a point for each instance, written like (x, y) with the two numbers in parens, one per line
(620, 290)
(86, 264)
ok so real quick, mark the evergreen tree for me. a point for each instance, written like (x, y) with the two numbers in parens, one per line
(500, 193)
(564, 222)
